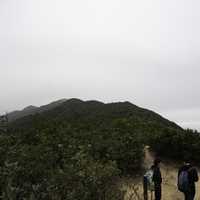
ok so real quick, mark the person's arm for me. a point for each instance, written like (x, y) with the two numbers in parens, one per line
(179, 171)
(196, 178)
(157, 176)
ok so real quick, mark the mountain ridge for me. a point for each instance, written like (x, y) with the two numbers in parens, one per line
(30, 110)
(93, 110)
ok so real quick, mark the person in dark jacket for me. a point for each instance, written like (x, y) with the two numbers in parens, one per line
(192, 178)
(157, 179)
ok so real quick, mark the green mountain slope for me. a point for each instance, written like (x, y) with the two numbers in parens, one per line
(96, 113)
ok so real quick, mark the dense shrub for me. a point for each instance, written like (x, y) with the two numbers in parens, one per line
(177, 144)
(62, 162)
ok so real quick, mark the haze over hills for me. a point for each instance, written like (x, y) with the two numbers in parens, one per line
(30, 110)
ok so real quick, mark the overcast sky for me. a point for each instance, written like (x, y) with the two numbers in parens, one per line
(143, 51)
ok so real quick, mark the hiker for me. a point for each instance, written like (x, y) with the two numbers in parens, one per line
(157, 179)
(187, 176)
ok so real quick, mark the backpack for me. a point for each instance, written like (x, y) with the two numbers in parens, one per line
(183, 181)
(149, 177)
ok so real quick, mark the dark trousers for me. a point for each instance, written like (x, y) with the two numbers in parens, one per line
(158, 191)
(189, 196)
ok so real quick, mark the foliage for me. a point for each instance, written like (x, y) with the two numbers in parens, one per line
(76, 150)
(177, 144)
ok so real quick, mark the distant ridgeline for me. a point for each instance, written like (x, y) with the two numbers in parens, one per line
(31, 110)
(75, 110)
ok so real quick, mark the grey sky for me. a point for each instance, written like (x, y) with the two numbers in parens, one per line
(144, 51)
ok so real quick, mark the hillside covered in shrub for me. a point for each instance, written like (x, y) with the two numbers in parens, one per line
(78, 148)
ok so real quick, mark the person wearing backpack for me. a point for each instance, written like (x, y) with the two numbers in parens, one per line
(157, 179)
(187, 176)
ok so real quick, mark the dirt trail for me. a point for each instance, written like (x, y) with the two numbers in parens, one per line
(133, 187)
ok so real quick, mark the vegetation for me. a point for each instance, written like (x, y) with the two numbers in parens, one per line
(176, 144)
(77, 149)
